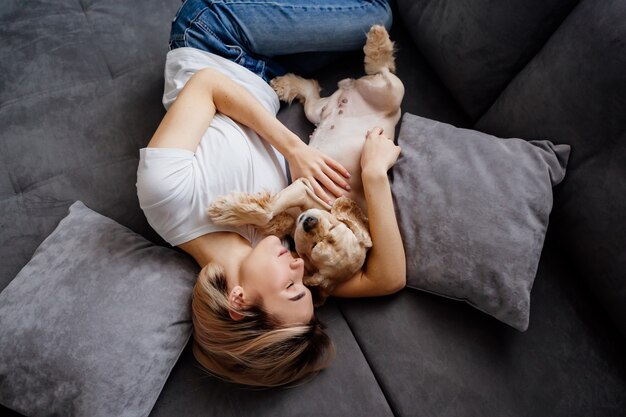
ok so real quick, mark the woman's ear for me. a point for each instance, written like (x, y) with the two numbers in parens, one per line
(236, 302)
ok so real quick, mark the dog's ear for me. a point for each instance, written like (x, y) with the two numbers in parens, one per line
(318, 285)
(348, 211)
(319, 296)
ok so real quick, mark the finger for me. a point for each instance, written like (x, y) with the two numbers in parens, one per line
(337, 166)
(319, 191)
(335, 177)
(375, 132)
(330, 185)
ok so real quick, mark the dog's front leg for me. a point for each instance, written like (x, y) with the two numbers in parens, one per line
(289, 87)
(238, 209)
(288, 204)
(299, 195)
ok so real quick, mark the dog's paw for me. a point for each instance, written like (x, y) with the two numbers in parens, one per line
(286, 87)
(378, 51)
(290, 87)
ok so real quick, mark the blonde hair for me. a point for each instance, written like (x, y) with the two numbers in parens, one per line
(256, 350)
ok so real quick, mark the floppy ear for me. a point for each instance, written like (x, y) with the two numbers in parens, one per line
(318, 286)
(348, 211)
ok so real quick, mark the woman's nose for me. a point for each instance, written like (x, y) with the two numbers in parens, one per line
(309, 223)
(295, 264)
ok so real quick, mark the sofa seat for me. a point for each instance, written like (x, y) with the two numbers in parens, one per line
(435, 357)
(80, 93)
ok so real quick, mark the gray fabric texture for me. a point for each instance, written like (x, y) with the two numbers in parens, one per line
(473, 210)
(573, 92)
(451, 360)
(94, 323)
(347, 388)
(478, 46)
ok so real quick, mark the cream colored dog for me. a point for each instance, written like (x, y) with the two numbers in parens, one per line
(333, 241)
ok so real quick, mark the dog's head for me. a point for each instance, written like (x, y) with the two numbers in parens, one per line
(333, 244)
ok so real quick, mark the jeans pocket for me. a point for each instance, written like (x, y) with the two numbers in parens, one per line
(201, 36)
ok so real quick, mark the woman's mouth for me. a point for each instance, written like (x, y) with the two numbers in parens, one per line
(283, 251)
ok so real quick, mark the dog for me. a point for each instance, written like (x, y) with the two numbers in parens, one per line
(332, 240)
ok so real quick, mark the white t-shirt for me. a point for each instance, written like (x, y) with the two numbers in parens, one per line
(175, 186)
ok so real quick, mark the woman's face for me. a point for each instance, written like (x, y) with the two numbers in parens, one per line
(272, 277)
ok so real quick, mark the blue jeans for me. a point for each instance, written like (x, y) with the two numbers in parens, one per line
(257, 34)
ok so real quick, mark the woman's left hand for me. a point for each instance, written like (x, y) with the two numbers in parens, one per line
(320, 169)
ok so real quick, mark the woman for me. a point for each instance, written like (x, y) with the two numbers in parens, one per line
(253, 318)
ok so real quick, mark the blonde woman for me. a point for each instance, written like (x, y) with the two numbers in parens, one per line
(253, 319)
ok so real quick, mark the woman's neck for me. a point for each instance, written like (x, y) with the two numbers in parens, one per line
(227, 249)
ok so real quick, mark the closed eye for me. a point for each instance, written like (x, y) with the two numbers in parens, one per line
(297, 297)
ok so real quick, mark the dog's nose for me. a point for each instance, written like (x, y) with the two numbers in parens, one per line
(309, 223)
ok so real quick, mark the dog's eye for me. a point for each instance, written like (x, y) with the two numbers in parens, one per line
(314, 245)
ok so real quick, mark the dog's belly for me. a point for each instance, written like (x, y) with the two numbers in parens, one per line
(348, 114)
(342, 136)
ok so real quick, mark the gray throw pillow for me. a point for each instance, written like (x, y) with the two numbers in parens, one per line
(94, 323)
(473, 211)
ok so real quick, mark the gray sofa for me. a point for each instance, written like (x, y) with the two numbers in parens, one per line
(80, 94)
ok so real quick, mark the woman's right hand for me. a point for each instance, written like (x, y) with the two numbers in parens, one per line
(379, 152)
(319, 169)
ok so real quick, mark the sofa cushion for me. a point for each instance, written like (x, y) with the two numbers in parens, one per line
(80, 93)
(93, 324)
(473, 211)
(573, 92)
(437, 357)
(346, 388)
(477, 46)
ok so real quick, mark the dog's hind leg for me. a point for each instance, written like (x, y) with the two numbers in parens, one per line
(290, 87)
(378, 51)
(383, 90)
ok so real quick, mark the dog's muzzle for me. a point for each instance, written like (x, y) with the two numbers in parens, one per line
(309, 223)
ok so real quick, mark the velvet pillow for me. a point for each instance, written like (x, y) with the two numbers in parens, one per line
(95, 321)
(473, 211)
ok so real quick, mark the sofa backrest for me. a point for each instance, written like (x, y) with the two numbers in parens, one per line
(551, 70)
(477, 46)
(74, 110)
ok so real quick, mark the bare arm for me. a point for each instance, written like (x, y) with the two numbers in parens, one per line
(384, 271)
(208, 92)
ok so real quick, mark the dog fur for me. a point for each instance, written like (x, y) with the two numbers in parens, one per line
(343, 119)
(333, 241)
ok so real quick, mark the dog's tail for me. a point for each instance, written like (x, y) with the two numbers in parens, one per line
(378, 51)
